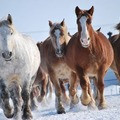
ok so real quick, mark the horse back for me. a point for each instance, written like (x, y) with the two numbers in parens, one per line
(115, 42)
(32, 53)
(47, 54)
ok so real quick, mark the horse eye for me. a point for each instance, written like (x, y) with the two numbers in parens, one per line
(11, 32)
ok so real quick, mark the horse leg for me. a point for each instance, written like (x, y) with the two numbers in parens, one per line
(96, 93)
(26, 101)
(4, 94)
(100, 86)
(15, 93)
(33, 97)
(85, 97)
(72, 90)
(43, 90)
(92, 104)
(58, 101)
(118, 74)
(50, 88)
(65, 97)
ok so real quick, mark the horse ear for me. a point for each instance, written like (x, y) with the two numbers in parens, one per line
(63, 22)
(91, 10)
(77, 10)
(50, 23)
(9, 19)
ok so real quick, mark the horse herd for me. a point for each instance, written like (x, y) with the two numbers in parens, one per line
(27, 68)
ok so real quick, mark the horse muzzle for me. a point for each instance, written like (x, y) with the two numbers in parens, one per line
(85, 42)
(7, 55)
(59, 53)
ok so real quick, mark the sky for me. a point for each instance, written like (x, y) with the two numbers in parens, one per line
(31, 16)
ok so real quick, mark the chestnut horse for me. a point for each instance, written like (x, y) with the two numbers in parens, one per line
(89, 54)
(52, 61)
(41, 86)
(115, 42)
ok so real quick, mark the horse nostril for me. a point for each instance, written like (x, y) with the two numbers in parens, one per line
(3, 54)
(58, 51)
(10, 54)
(7, 54)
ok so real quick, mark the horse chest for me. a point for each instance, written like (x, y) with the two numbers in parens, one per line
(11, 68)
(62, 71)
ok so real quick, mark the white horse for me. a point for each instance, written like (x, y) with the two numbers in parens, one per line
(19, 62)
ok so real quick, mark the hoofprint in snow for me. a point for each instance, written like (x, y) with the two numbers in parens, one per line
(46, 111)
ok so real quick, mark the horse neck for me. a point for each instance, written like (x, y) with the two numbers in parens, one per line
(91, 32)
(67, 37)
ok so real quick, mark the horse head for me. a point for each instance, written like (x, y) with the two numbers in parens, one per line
(84, 19)
(59, 37)
(6, 38)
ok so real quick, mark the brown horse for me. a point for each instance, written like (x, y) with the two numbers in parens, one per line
(89, 54)
(115, 42)
(52, 52)
(40, 88)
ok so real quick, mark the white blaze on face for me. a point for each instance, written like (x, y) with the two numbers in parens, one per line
(85, 39)
(57, 34)
(4, 35)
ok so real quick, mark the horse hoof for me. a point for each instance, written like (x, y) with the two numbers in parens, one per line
(9, 112)
(86, 101)
(103, 106)
(9, 116)
(92, 106)
(27, 116)
(61, 111)
(76, 100)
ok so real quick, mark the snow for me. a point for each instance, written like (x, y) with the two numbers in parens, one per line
(47, 111)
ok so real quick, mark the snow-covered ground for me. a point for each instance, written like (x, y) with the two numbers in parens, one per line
(80, 112)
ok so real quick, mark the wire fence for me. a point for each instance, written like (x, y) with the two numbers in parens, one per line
(115, 87)
(112, 87)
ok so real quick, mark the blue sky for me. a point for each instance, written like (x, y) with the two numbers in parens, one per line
(31, 16)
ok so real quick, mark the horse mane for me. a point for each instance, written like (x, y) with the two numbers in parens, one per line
(40, 44)
(64, 28)
(70, 34)
(67, 36)
(118, 27)
(116, 37)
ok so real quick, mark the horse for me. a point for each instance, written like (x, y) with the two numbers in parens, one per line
(52, 61)
(89, 54)
(19, 62)
(40, 88)
(115, 41)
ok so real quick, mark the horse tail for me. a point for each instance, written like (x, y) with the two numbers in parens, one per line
(118, 27)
